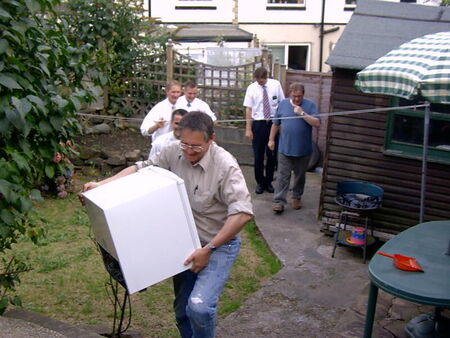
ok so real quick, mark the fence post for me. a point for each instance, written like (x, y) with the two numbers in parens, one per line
(170, 63)
(270, 63)
(283, 76)
(265, 58)
(255, 41)
(276, 69)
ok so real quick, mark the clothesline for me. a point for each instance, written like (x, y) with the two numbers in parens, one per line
(341, 113)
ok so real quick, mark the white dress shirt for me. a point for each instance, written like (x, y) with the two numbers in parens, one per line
(196, 105)
(254, 98)
(160, 143)
(162, 110)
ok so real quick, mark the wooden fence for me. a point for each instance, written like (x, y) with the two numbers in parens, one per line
(223, 88)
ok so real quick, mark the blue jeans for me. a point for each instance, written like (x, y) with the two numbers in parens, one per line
(196, 295)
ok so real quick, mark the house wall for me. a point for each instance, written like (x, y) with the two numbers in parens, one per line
(298, 34)
(272, 27)
(245, 11)
(176, 11)
(354, 151)
(258, 11)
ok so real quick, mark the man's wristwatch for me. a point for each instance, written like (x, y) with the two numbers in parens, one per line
(211, 246)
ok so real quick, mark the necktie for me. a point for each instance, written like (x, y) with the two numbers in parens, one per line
(266, 105)
(189, 104)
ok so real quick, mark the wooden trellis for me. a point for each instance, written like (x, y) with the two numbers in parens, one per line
(223, 88)
(142, 88)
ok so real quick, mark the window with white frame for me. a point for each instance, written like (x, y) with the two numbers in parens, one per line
(286, 4)
(301, 2)
(196, 4)
(294, 56)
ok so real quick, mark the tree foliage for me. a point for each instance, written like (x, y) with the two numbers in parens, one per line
(41, 87)
(121, 33)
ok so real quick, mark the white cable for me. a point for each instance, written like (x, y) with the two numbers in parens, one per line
(342, 113)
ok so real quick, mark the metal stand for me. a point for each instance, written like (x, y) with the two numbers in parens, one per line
(115, 279)
(343, 218)
(119, 310)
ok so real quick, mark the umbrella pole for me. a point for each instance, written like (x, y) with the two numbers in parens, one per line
(426, 132)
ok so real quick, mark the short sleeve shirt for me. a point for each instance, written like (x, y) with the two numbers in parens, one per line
(215, 186)
(162, 110)
(254, 98)
(196, 105)
(160, 143)
(295, 134)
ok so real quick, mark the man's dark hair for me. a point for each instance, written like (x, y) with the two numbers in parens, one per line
(198, 121)
(260, 73)
(190, 84)
(180, 112)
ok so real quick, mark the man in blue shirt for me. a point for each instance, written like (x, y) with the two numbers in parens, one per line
(294, 120)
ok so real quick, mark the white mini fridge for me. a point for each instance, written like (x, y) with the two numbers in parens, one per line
(144, 220)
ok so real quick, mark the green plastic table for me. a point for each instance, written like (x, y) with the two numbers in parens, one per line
(428, 243)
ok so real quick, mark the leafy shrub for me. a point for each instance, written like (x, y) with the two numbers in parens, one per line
(41, 88)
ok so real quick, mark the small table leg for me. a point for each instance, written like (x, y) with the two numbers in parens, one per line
(371, 307)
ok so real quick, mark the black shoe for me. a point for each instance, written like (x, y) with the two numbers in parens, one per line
(270, 188)
(259, 189)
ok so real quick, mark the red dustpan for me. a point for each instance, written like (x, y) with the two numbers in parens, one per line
(403, 262)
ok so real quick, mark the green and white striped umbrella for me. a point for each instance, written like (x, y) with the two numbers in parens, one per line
(418, 68)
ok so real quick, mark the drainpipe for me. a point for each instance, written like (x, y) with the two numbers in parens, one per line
(322, 21)
(323, 32)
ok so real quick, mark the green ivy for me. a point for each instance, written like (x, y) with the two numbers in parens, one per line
(41, 88)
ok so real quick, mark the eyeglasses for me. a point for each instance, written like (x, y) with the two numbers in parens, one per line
(197, 149)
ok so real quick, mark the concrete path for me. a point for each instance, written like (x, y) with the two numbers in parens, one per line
(313, 295)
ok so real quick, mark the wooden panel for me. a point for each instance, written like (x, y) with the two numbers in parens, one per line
(355, 145)
(356, 129)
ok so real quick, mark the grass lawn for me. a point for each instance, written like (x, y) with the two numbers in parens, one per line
(69, 282)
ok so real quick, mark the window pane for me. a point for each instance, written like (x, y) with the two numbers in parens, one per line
(409, 129)
(277, 52)
(286, 1)
(297, 57)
